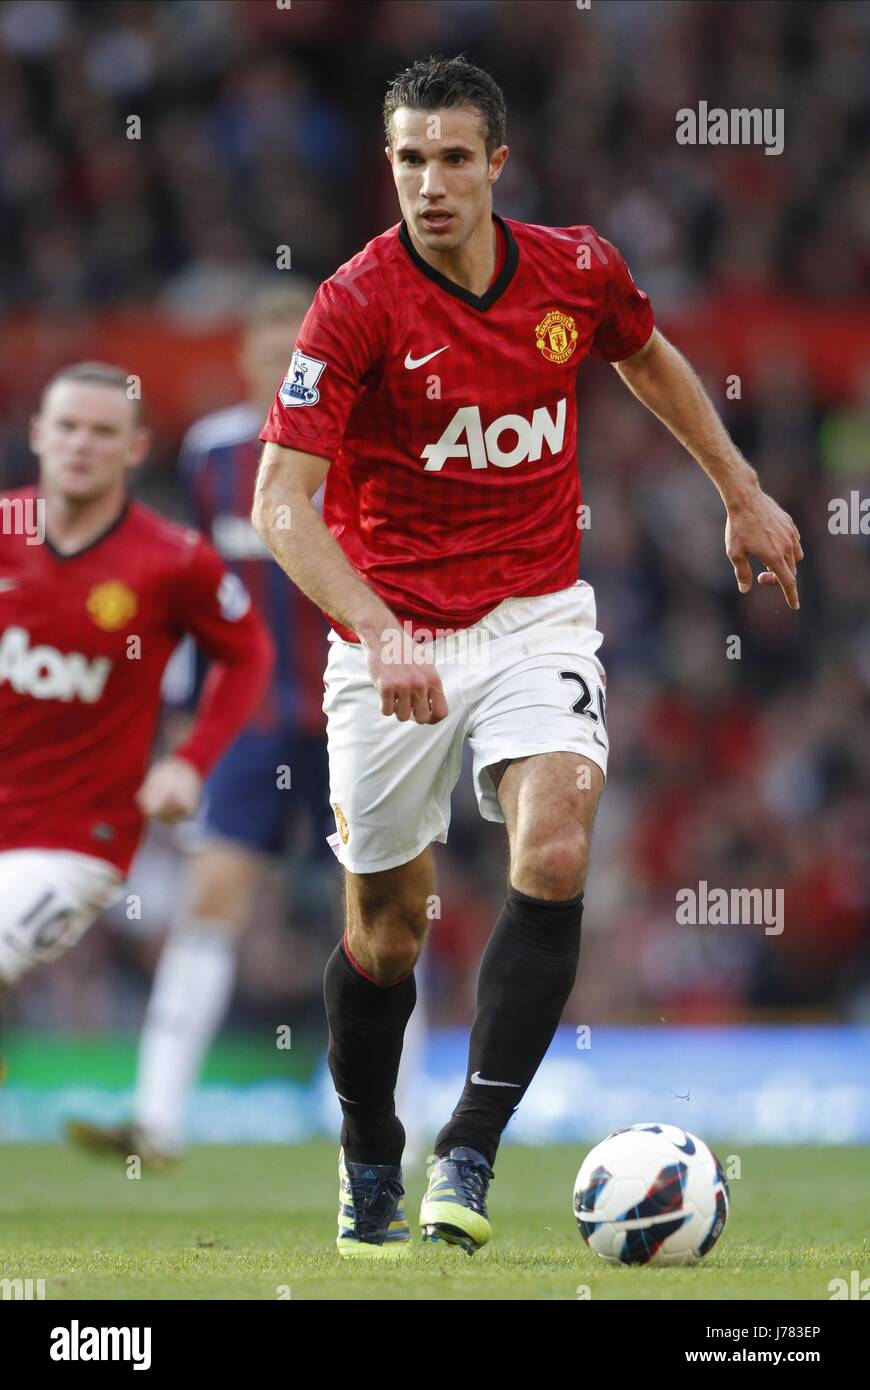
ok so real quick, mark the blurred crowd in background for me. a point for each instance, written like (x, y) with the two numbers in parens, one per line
(741, 764)
(262, 125)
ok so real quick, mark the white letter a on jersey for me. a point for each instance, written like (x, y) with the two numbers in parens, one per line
(466, 421)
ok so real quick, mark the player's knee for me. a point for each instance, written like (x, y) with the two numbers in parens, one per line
(226, 926)
(220, 886)
(387, 944)
(394, 958)
(554, 866)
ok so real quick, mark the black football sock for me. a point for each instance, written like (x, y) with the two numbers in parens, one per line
(526, 975)
(366, 1028)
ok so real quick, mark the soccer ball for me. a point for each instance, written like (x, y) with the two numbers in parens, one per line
(651, 1194)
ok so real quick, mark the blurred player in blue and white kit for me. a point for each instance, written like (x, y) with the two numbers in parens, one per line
(248, 809)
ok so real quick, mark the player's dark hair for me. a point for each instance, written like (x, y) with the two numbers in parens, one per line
(103, 374)
(434, 82)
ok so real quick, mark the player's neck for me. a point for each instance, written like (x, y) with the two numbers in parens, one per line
(472, 265)
(72, 523)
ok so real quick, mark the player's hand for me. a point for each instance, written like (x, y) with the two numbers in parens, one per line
(758, 526)
(408, 689)
(171, 790)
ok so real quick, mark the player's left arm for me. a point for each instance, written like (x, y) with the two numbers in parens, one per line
(214, 607)
(665, 383)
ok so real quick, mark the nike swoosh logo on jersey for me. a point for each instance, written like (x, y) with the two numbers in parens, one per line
(411, 362)
(8, 584)
(478, 1080)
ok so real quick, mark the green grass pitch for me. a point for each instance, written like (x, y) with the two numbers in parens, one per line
(259, 1223)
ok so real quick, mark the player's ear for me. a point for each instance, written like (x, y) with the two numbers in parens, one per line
(389, 153)
(497, 162)
(35, 432)
(140, 448)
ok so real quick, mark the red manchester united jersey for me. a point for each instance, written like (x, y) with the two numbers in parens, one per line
(450, 418)
(84, 639)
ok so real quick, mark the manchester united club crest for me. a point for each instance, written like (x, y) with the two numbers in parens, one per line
(111, 605)
(556, 336)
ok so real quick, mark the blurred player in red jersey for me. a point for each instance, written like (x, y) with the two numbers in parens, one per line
(433, 388)
(95, 593)
(247, 814)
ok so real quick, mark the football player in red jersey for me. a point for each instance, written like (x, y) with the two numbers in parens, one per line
(433, 388)
(95, 593)
(245, 814)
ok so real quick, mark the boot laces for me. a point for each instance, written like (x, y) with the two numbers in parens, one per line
(474, 1180)
(374, 1201)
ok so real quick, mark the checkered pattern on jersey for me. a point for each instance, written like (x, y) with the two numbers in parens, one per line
(451, 419)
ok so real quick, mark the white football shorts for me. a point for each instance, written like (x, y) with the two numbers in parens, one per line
(48, 899)
(525, 679)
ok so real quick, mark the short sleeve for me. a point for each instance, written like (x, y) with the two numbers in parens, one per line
(628, 319)
(333, 355)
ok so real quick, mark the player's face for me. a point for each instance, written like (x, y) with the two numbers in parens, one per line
(442, 174)
(85, 438)
(266, 349)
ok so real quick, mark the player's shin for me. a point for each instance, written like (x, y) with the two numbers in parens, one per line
(526, 975)
(189, 998)
(366, 1027)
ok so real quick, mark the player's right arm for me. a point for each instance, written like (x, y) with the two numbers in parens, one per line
(295, 533)
(337, 349)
